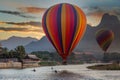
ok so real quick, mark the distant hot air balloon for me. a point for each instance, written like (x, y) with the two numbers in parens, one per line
(104, 38)
(64, 25)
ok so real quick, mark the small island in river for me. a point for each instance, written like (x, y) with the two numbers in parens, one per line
(111, 66)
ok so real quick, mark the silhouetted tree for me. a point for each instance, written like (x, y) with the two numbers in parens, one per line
(20, 50)
(5, 53)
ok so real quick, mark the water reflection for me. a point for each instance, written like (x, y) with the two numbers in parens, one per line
(69, 72)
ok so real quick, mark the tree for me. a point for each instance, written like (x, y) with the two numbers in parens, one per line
(5, 52)
(20, 50)
(12, 54)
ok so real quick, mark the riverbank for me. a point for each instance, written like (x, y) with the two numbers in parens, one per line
(8, 65)
(17, 65)
(112, 66)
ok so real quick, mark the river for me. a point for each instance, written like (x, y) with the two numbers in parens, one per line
(68, 72)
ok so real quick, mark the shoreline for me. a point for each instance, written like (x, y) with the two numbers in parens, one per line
(110, 66)
(16, 65)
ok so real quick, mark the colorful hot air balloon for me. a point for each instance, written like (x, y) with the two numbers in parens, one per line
(64, 25)
(104, 38)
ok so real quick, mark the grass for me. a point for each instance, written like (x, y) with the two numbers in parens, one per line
(47, 63)
(105, 67)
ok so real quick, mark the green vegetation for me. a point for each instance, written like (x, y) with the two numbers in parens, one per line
(19, 53)
(112, 57)
(20, 50)
(47, 56)
(113, 66)
(48, 63)
(52, 57)
(109, 57)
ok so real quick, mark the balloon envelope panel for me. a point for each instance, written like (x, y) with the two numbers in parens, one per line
(104, 38)
(64, 25)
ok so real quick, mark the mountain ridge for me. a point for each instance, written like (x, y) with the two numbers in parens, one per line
(15, 41)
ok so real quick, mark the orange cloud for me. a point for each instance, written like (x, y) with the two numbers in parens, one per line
(5, 35)
(33, 10)
(21, 27)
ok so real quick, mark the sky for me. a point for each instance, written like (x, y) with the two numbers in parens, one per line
(23, 17)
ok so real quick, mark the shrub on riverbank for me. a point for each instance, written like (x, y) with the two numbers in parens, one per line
(48, 63)
(105, 67)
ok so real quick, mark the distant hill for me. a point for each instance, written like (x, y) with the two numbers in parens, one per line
(41, 45)
(88, 42)
(14, 41)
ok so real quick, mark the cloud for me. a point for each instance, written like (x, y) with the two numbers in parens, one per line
(94, 13)
(21, 26)
(12, 29)
(31, 23)
(21, 14)
(101, 10)
(33, 10)
(20, 29)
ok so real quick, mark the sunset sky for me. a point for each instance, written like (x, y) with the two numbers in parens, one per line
(23, 17)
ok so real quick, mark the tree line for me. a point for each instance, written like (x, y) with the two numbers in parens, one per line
(114, 56)
(18, 52)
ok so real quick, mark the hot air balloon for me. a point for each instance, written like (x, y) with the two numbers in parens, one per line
(64, 25)
(104, 39)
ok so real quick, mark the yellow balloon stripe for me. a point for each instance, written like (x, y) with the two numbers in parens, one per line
(63, 24)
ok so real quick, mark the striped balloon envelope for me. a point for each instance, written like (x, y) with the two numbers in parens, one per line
(64, 25)
(104, 38)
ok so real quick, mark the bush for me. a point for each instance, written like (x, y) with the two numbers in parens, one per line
(47, 63)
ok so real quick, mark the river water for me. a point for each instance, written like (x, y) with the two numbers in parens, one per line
(68, 72)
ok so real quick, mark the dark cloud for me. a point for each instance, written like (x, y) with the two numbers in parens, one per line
(21, 14)
(12, 29)
(32, 23)
(33, 10)
(18, 29)
(94, 10)
(102, 10)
